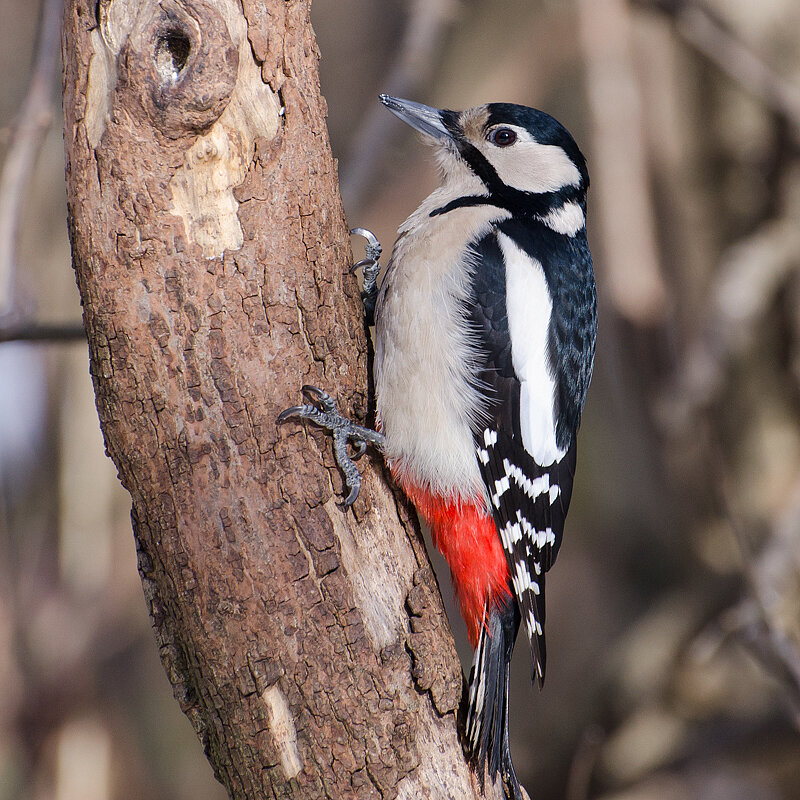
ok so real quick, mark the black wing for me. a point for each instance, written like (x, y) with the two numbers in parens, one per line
(529, 502)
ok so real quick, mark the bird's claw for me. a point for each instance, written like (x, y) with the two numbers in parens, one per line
(373, 247)
(322, 411)
(370, 264)
(321, 408)
(321, 403)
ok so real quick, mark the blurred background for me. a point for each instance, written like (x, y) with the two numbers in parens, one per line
(674, 608)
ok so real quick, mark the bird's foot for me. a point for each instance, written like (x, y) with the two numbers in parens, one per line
(322, 411)
(371, 266)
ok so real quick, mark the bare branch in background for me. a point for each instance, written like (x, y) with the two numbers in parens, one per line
(776, 584)
(749, 277)
(584, 762)
(41, 332)
(631, 264)
(427, 25)
(747, 280)
(766, 622)
(34, 119)
(709, 34)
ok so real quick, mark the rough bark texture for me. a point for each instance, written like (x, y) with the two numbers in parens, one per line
(307, 645)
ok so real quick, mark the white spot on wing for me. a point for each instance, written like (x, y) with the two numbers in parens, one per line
(533, 625)
(500, 488)
(533, 488)
(522, 578)
(545, 537)
(539, 485)
(510, 534)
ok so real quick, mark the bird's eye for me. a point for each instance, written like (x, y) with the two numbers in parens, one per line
(502, 137)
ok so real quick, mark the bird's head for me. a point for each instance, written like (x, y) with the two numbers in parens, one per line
(511, 153)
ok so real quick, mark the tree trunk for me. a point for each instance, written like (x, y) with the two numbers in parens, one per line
(307, 645)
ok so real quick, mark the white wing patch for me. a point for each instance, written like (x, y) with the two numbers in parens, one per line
(529, 307)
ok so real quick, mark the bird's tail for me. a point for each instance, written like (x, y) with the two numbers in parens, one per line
(487, 710)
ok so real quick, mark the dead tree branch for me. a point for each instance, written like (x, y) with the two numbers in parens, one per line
(34, 119)
(42, 332)
(428, 22)
(630, 260)
(709, 35)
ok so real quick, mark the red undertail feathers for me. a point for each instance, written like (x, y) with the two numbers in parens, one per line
(465, 534)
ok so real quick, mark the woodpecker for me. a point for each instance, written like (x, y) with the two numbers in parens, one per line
(485, 325)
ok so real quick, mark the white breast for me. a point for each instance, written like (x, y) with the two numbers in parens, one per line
(424, 366)
(529, 308)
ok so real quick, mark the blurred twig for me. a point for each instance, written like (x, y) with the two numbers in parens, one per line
(775, 579)
(767, 622)
(36, 332)
(34, 119)
(749, 276)
(631, 262)
(584, 762)
(709, 34)
(417, 56)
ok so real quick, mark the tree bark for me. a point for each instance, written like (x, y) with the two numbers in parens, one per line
(307, 645)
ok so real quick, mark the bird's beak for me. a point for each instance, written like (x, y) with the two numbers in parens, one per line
(425, 119)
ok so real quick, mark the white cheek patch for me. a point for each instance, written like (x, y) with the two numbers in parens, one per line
(530, 166)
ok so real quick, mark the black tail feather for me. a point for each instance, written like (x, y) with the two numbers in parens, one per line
(487, 712)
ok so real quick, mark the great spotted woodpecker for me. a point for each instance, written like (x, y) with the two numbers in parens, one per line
(485, 325)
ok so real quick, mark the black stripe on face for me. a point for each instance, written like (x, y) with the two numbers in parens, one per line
(450, 121)
(479, 164)
(475, 159)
